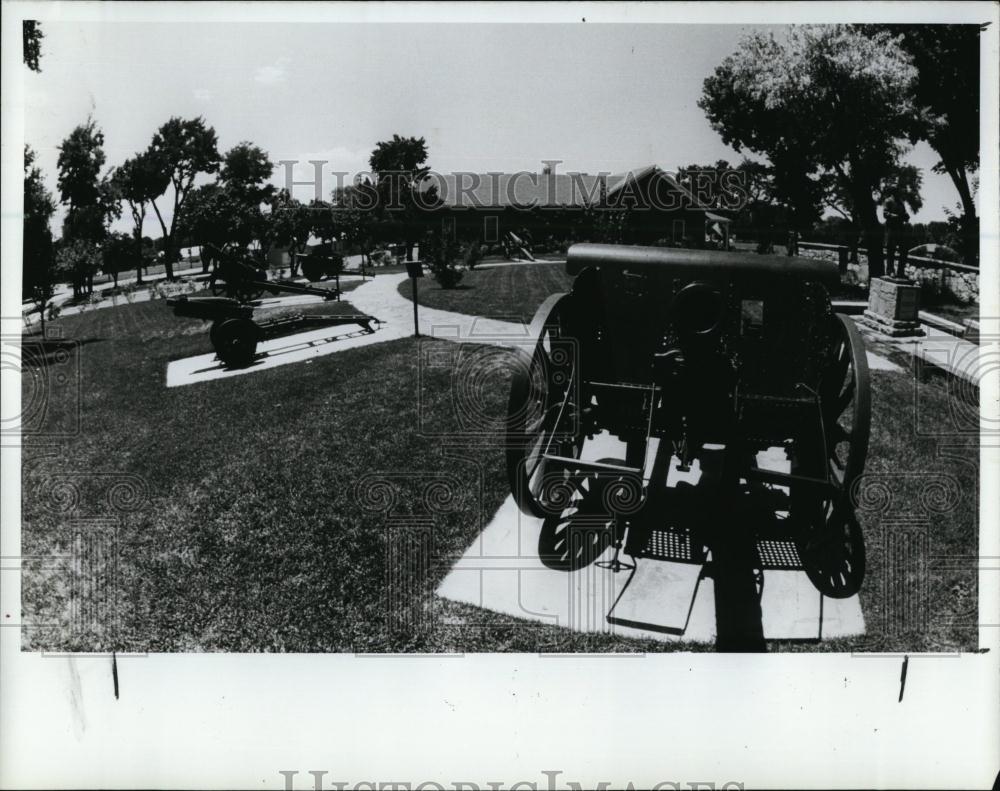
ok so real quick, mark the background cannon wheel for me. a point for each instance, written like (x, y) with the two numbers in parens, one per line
(213, 332)
(542, 414)
(235, 342)
(218, 286)
(832, 545)
(312, 270)
(246, 291)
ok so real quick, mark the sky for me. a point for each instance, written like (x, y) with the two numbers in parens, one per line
(487, 97)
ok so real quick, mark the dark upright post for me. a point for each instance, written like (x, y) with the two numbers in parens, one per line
(416, 322)
(415, 270)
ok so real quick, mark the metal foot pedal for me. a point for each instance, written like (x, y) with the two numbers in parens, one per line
(659, 595)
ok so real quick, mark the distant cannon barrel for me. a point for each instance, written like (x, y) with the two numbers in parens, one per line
(209, 308)
(698, 263)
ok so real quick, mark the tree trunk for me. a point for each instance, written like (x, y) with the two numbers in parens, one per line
(872, 233)
(168, 244)
(970, 223)
(138, 258)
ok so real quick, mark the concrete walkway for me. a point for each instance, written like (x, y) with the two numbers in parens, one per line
(142, 294)
(957, 356)
(379, 298)
(670, 598)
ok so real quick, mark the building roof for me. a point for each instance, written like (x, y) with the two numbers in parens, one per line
(716, 217)
(567, 190)
(498, 190)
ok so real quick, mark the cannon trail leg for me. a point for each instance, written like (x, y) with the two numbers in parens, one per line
(738, 617)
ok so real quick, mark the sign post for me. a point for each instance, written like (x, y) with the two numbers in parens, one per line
(415, 270)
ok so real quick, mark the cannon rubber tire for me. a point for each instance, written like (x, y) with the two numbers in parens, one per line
(213, 331)
(235, 342)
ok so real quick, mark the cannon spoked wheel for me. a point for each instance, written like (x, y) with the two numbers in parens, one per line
(543, 418)
(832, 546)
(579, 535)
(247, 291)
(235, 342)
(217, 285)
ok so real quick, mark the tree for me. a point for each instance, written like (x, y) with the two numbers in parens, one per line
(81, 157)
(399, 169)
(181, 150)
(116, 254)
(324, 223)
(137, 183)
(828, 100)
(245, 171)
(354, 208)
(289, 225)
(31, 34)
(38, 265)
(210, 220)
(946, 96)
(91, 199)
(78, 260)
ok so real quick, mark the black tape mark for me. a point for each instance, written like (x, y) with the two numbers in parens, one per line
(114, 672)
(902, 678)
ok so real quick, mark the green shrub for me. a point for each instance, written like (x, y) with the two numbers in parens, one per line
(472, 254)
(439, 253)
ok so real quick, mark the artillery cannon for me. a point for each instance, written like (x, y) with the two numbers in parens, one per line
(244, 279)
(235, 335)
(678, 354)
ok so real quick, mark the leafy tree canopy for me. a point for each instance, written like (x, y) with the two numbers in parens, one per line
(245, 170)
(31, 35)
(826, 100)
(81, 157)
(184, 148)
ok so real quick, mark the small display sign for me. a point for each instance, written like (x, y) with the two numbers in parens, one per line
(753, 316)
(414, 269)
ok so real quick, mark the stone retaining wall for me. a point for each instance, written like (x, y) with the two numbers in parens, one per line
(961, 284)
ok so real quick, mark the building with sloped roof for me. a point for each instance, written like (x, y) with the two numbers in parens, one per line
(642, 206)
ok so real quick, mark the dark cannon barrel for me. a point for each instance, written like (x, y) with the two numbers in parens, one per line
(210, 308)
(698, 263)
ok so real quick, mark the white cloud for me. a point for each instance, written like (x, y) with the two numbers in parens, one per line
(202, 94)
(273, 74)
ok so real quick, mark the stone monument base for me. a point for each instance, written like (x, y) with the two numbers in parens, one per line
(893, 307)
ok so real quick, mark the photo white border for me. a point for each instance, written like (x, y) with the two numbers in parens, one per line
(228, 720)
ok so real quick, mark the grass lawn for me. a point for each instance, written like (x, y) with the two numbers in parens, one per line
(514, 292)
(511, 293)
(253, 533)
(254, 536)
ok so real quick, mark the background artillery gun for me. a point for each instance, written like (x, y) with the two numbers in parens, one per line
(244, 279)
(676, 354)
(234, 333)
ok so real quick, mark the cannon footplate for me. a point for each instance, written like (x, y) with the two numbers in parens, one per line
(672, 544)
